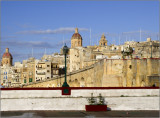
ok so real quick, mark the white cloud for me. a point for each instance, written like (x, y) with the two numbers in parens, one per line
(37, 44)
(55, 31)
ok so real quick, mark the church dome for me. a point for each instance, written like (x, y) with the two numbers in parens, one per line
(76, 35)
(7, 54)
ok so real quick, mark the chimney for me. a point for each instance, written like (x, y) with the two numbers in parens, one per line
(149, 39)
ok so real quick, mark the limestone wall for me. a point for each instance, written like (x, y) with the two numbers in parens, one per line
(110, 73)
(116, 99)
(130, 72)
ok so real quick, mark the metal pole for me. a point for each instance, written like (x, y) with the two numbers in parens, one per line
(140, 34)
(65, 69)
(90, 37)
(65, 49)
(151, 51)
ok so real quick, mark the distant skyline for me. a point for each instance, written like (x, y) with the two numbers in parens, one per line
(40, 25)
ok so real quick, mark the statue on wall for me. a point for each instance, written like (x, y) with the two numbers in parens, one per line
(127, 51)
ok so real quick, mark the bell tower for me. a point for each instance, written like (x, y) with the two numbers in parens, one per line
(103, 41)
(76, 40)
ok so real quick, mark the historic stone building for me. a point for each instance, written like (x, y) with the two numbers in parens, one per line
(17, 74)
(6, 68)
(145, 49)
(6, 75)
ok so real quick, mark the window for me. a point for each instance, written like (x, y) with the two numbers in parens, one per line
(6, 77)
(30, 79)
(130, 66)
(47, 70)
(47, 65)
(24, 80)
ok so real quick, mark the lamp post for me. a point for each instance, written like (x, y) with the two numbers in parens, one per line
(65, 51)
(151, 49)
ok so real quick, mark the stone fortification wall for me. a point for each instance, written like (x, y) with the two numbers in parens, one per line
(110, 73)
(90, 76)
(131, 73)
(116, 99)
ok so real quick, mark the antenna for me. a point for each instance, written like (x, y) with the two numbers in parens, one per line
(126, 38)
(119, 39)
(63, 40)
(45, 51)
(140, 34)
(90, 36)
(32, 52)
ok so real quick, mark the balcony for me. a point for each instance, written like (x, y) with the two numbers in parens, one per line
(40, 68)
(40, 73)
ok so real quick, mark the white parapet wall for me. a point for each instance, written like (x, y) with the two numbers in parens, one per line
(116, 99)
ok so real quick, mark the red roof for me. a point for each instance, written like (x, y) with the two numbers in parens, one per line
(7, 55)
(76, 35)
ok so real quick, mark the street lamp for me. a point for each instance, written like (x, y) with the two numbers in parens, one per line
(65, 51)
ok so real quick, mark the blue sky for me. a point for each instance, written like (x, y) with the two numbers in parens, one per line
(48, 24)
